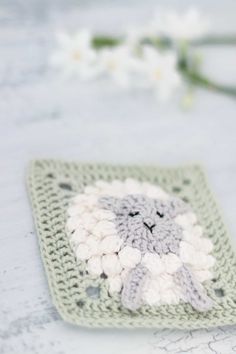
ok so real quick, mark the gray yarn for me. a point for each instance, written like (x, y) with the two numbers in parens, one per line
(131, 297)
(148, 225)
(194, 292)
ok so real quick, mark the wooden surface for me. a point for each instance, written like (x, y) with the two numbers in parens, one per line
(43, 116)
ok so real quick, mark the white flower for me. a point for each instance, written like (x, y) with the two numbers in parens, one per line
(188, 25)
(75, 55)
(161, 71)
(120, 64)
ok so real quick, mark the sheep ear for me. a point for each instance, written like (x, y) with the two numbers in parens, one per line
(177, 206)
(109, 203)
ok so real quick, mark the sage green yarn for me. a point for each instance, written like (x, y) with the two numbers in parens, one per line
(84, 300)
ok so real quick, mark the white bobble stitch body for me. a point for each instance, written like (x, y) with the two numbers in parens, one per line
(153, 263)
(94, 266)
(187, 252)
(90, 190)
(100, 215)
(104, 228)
(165, 282)
(80, 235)
(189, 255)
(79, 198)
(191, 217)
(203, 275)
(73, 223)
(115, 284)
(208, 261)
(154, 192)
(193, 232)
(186, 220)
(129, 257)
(197, 231)
(93, 245)
(124, 274)
(83, 252)
(200, 244)
(86, 200)
(111, 265)
(170, 297)
(75, 211)
(110, 244)
(132, 186)
(171, 263)
(89, 221)
(102, 184)
(117, 186)
(151, 293)
(206, 245)
(189, 236)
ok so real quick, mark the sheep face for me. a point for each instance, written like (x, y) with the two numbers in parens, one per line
(145, 223)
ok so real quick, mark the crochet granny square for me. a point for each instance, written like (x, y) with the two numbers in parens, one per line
(133, 246)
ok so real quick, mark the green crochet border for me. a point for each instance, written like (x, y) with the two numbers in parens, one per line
(52, 183)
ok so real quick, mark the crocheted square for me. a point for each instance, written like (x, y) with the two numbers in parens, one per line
(131, 246)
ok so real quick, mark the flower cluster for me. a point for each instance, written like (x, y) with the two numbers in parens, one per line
(126, 65)
(155, 56)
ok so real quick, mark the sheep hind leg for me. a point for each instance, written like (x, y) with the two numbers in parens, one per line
(193, 290)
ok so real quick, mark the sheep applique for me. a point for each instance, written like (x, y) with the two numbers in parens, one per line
(146, 244)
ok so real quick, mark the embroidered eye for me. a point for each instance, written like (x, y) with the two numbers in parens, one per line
(132, 214)
(160, 215)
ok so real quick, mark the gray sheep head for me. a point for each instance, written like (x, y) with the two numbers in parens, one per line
(145, 223)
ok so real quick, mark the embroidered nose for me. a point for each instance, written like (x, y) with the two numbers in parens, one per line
(149, 225)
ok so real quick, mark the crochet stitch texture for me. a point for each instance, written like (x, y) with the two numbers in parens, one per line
(147, 243)
(84, 299)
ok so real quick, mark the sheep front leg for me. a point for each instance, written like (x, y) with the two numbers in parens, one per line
(131, 297)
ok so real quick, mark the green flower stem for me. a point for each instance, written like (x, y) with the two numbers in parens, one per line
(198, 79)
(105, 41)
(214, 40)
(164, 42)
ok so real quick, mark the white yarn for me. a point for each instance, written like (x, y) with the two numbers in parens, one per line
(171, 263)
(111, 264)
(110, 244)
(129, 257)
(115, 284)
(83, 252)
(93, 236)
(154, 263)
(94, 265)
